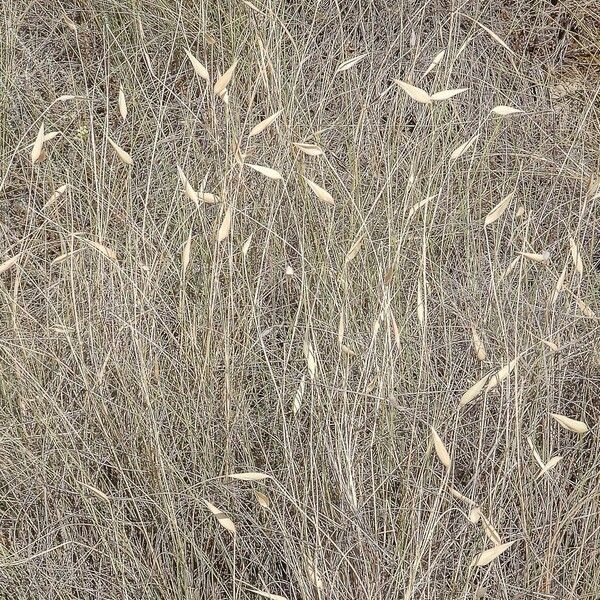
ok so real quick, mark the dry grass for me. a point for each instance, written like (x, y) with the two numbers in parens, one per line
(315, 328)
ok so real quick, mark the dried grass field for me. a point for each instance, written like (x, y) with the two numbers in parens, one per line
(299, 300)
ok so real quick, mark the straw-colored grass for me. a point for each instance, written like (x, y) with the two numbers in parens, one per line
(299, 300)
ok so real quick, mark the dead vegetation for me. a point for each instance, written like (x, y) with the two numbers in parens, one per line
(299, 300)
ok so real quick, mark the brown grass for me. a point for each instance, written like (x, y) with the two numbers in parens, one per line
(151, 346)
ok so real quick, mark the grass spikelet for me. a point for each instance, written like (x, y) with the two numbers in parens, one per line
(266, 171)
(486, 557)
(313, 575)
(188, 190)
(498, 210)
(60, 190)
(462, 497)
(185, 255)
(446, 94)
(463, 148)
(490, 530)
(104, 250)
(474, 515)
(420, 303)
(208, 198)
(38, 145)
(535, 453)
(505, 111)
(474, 391)
(246, 246)
(260, 127)
(320, 193)
(262, 499)
(542, 258)
(9, 263)
(311, 362)
(501, 375)
(511, 267)
(494, 36)
(349, 63)
(221, 517)
(354, 250)
(414, 92)
(585, 309)
(569, 424)
(440, 449)
(98, 493)
(437, 59)
(347, 350)
(223, 81)
(124, 156)
(268, 595)
(418, 205)
(122, 103)
(576, 256)
(198, 67)
(250, 476)
(299, 395)
(559, 285)
(48, 137)
(478, 347)
(225, 227)
(550, 344)
(309, 149)
(549, 466)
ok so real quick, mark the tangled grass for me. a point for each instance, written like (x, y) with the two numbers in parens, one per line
(172, 315)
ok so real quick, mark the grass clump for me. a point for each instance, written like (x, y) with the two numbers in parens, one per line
(299, 300)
